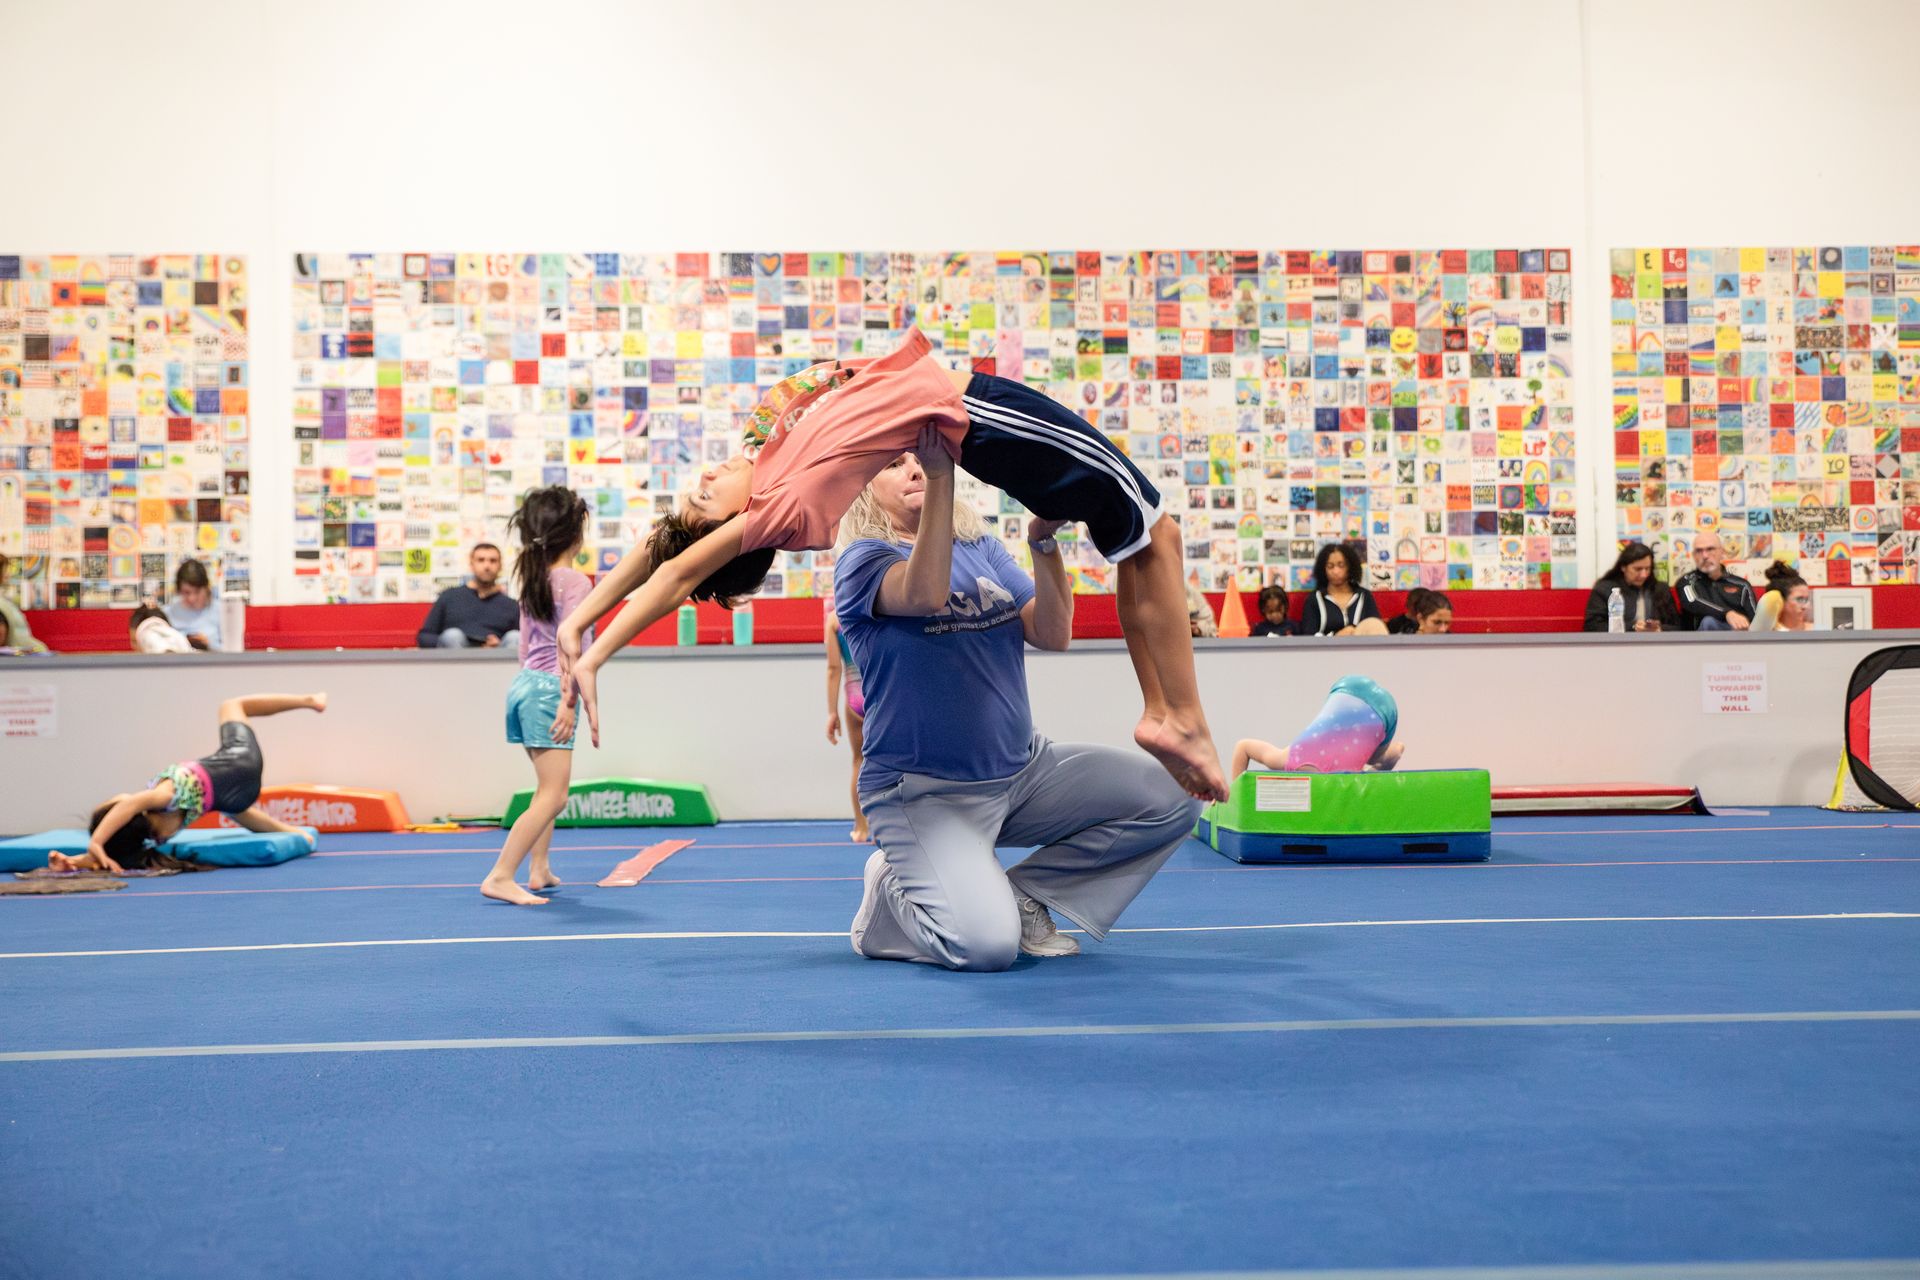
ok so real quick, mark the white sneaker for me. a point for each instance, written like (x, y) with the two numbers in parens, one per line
(869, 901)
(1038, 937)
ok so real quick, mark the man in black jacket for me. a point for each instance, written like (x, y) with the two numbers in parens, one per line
(1710, 598)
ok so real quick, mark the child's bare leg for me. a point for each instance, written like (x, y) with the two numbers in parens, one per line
(552, 766)
(856, 735)
(539, 870)
(270, 704)
(258, 819)
(1252, 751)
(1126, 600)
(1155, 609)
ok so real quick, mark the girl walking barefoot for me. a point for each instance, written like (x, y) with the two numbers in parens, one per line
(551, 524)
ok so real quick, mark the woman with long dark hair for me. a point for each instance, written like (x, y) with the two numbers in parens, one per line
(1649, 603)
(1338, 605)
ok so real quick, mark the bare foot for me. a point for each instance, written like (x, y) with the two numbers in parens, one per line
(542, 878)
(860, 835)
(508, 891)
(57, 861)
(1185, 752)
(318, 701)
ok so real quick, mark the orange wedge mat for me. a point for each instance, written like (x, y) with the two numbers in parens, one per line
(326, 808)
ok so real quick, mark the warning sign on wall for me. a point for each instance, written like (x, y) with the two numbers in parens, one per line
(1733, 688)
(29, 710)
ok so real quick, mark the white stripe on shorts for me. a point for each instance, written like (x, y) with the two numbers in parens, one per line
(1028, 427)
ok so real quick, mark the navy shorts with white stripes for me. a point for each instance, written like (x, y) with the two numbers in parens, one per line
(1055, 465)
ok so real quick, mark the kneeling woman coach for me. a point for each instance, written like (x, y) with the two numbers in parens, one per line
(938, 616)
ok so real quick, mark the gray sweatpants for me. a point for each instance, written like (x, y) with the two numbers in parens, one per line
(1105, 821)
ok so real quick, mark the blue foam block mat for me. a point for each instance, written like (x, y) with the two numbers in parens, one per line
(1274, 847)
(223, 848)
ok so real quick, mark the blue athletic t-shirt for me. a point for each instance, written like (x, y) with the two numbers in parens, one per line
(946, 694)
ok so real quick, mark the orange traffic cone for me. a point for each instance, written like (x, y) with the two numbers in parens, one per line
(1233, 614)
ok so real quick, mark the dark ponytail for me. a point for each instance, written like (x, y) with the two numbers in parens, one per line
(1422, 603)
(1783, 577)
(549, 521)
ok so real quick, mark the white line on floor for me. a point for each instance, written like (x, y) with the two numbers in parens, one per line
(1817, 1269)
(966, 1033)
(688, 935)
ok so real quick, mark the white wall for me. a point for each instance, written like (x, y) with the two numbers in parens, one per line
(1751, 122)
(749, 726)
(574, 124)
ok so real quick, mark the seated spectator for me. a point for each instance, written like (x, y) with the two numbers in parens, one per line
(1711, 599)
(1273, 613)
(149, 631)
(478, 613)
(19, 636)
(1339, 605)
(1649, 602)
(1429, 613)
(1199, 613)
(194, 611)
(1787, 603)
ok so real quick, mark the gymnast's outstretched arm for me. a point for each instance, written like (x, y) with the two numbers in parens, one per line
(666, 586)
(1264, 754)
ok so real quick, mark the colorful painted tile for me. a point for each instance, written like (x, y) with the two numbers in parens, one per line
(1416, 402)
(124, 423)
(1771, 395)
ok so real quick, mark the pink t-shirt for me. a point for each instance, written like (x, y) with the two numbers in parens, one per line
(538, 648)
(810, 471)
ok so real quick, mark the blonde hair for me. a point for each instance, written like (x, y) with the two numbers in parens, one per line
(866, 519)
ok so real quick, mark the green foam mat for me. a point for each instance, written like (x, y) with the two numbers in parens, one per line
(1419, 815)
(626, 802)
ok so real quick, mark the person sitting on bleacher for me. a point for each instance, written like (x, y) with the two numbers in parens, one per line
(1711, 599)
(477, 614)
(1787, 603)
(1273, 612)
(1648, 601)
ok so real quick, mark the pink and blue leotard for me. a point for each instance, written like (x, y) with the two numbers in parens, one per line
(1356, 722)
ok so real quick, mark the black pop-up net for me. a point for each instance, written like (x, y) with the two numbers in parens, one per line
(1883, 727)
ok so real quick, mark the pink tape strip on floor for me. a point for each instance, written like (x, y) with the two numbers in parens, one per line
(635, 869)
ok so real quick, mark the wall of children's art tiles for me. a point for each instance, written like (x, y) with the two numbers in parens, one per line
(124, 423)
(1772, 396)
(1417, 402)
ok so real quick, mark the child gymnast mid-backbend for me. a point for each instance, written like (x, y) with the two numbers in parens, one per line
(804, 472)
(126, 828)
(552, 526)
(1353, 732)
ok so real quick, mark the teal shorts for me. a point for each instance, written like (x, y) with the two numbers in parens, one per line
(532, 703)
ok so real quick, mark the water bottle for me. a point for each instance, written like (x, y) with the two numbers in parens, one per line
(743, 625)
(689, 624)
(233, 622)
(1616, 612)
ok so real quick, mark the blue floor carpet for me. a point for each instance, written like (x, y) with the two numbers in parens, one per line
(1189, 1144)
